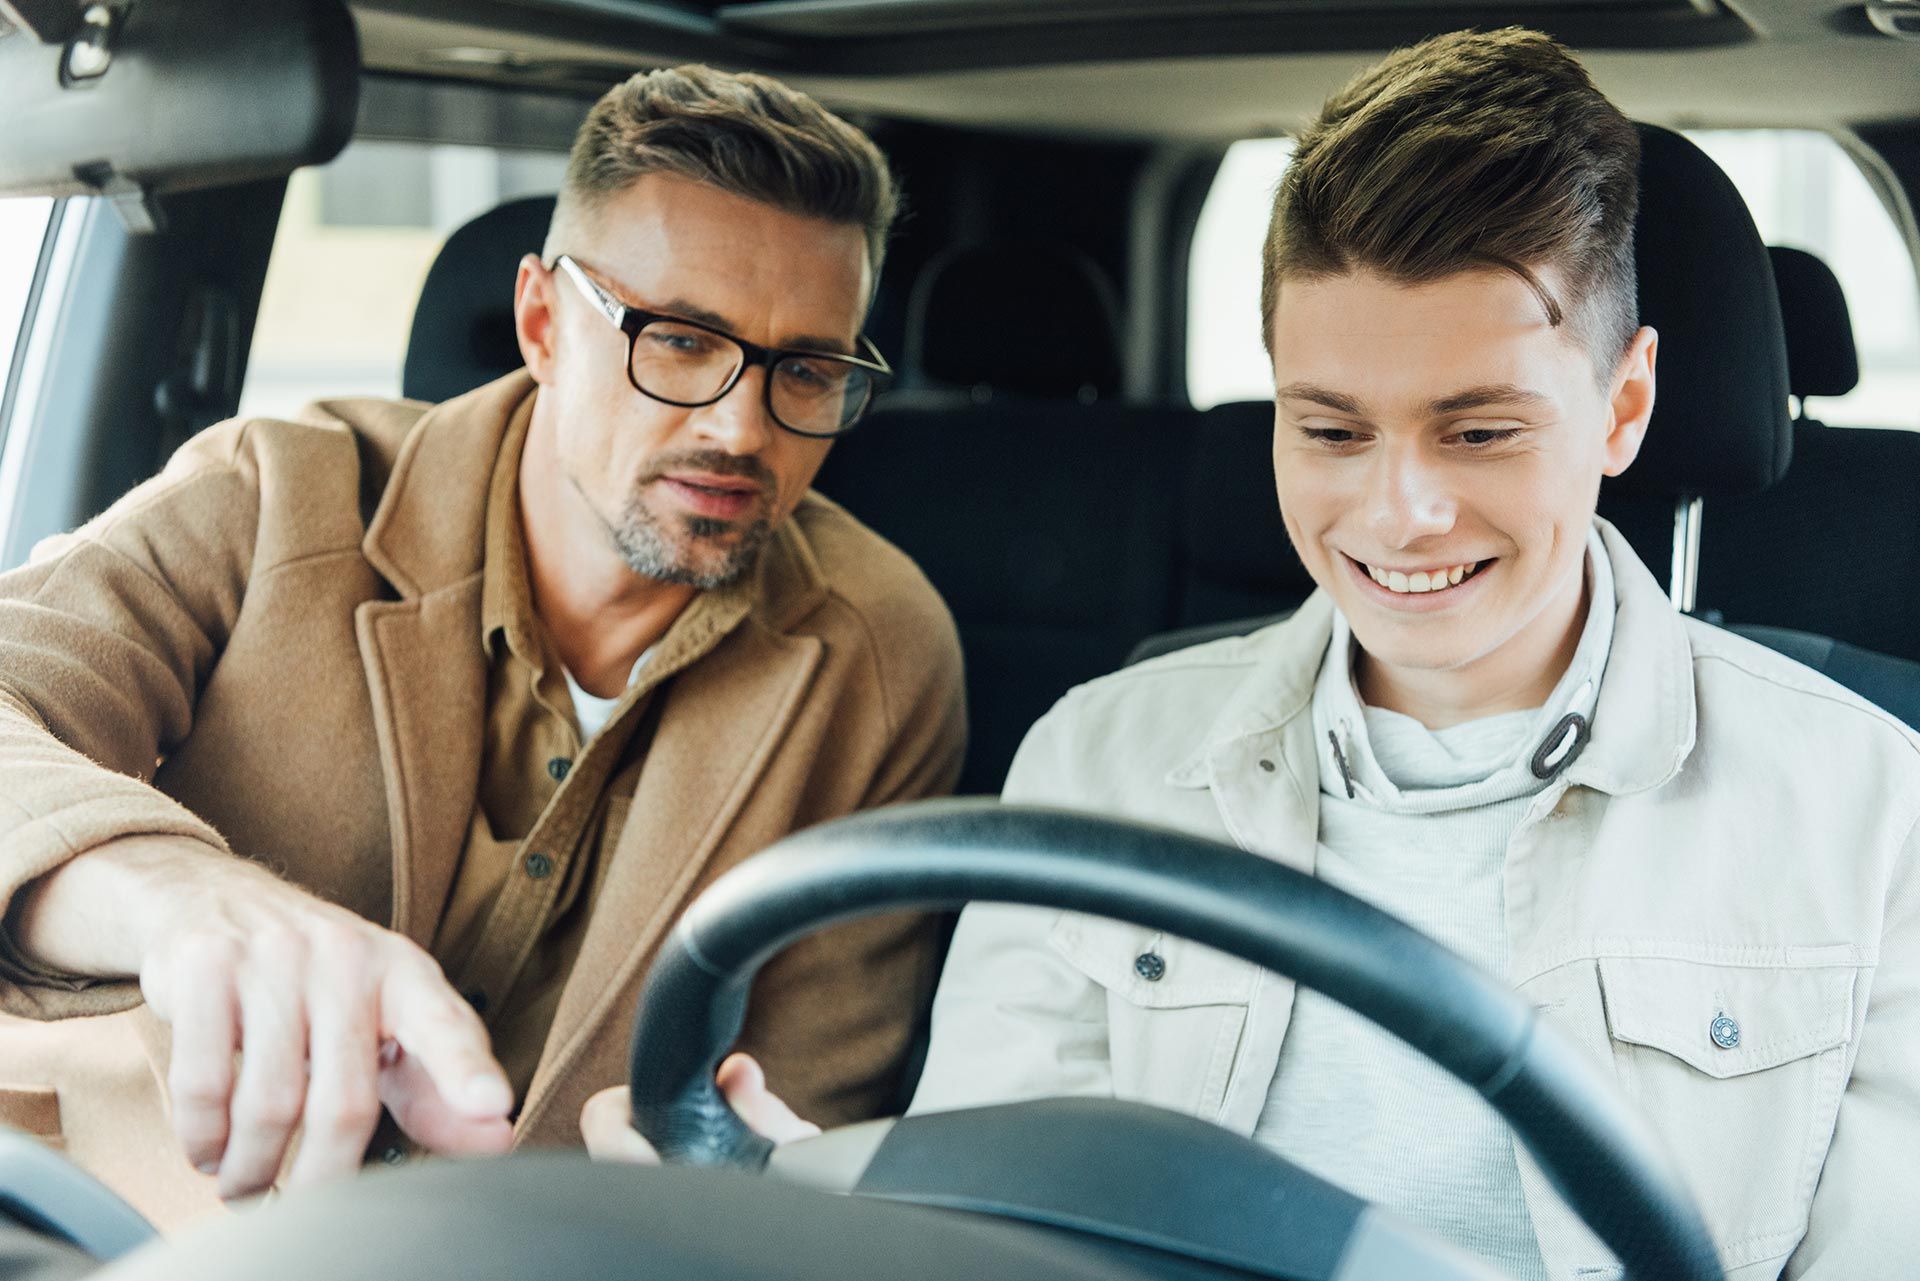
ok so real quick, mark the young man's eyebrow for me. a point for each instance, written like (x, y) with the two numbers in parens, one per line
(1320, 396)
(1480, 397)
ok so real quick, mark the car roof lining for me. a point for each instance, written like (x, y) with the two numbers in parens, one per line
(1688, 63)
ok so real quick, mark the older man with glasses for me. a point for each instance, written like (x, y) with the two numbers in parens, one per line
(358, 763)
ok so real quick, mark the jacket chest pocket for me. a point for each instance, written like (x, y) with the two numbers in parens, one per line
(1741, 1070)
(1176, 1011)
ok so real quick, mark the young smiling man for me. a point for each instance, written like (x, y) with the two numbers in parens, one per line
(1697, 857)
(478, 695)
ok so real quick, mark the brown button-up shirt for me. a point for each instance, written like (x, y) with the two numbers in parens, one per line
(550, 807)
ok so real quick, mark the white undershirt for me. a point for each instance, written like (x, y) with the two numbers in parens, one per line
(1425, 837)
(593, 712)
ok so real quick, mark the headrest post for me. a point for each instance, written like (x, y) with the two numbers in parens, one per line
(1683, 585)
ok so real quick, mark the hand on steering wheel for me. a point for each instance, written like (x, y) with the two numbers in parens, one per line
(606, 1122)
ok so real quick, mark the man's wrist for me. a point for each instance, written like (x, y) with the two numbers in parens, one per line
(98, 914)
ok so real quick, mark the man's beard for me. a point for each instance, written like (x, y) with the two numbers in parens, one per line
(693, 559)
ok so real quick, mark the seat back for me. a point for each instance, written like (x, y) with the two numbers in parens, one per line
(1827, 548)
(462, 332)
(1720, 428)
(1047, 527)
(1235, 556)
(1034, 319)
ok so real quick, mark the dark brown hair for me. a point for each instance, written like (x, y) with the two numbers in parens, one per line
(743, 133)
(1469, 150)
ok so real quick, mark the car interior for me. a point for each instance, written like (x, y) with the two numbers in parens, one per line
(1040, 453)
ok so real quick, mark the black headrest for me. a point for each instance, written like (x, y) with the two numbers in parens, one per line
(1231, 531)
(1720, 424)
(1821, 360)
(1029, 318)
(463, 328)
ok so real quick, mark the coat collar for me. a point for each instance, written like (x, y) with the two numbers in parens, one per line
(1643, 725)
(428, 531)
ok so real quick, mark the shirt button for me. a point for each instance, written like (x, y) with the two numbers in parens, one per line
(1725, 1032)
(393, 1155)
(539, 866)
(477, 999)
(1266, 765)
(558, 767)
(1149, 966)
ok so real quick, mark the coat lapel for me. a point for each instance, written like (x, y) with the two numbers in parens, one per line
(428, 679)
(722, 722)
(426, 669)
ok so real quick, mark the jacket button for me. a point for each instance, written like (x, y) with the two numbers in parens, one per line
(393, 1155)
(539, 866)
(1725, 1032)
(1149, 966)
(559, 767)
(1267, 765)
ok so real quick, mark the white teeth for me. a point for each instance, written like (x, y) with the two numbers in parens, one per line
(1420, 580)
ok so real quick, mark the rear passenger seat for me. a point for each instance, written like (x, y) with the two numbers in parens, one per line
(1834, 547)
(1043, 510)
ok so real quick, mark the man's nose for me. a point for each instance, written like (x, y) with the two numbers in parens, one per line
(738, 422)
(1410, 498)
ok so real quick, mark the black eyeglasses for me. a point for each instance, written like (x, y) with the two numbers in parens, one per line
(688, 364)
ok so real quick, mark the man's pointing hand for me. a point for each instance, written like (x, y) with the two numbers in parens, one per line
(288, 1013)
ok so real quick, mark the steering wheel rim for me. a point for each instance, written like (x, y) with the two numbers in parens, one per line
(1596, 1152)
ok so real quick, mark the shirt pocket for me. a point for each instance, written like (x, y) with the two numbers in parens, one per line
(1740, 1069)
(1176, 1011)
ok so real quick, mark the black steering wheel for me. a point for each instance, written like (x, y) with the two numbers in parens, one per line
(1598, 1154)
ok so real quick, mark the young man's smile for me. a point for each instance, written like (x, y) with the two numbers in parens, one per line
(1419, 588)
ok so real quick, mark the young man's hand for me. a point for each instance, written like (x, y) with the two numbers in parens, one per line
(288, 1013)
(606, 1125)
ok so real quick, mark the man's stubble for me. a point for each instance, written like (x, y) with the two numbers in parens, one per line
(648, 544)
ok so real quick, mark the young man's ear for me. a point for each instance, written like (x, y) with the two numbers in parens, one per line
(534, 322)
(1630, 404)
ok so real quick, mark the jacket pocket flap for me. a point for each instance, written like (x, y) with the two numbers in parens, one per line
(1119, 957)
(1726, 1020)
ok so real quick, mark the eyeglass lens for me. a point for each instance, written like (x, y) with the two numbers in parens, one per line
(686, 364)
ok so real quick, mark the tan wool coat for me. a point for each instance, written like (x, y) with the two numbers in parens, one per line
(274, 647)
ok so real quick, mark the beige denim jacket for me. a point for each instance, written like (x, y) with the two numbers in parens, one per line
(1740, 837)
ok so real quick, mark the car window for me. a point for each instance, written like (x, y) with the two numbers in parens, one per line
(1225, 360)
(23, 226)
(355, 240)
(1802, 187)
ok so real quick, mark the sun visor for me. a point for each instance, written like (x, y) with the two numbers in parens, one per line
(136, 101)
